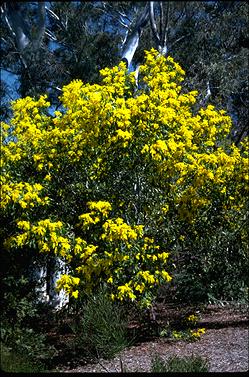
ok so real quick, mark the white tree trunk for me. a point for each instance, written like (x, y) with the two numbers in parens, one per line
(16, 24)
(47, 276)
(132, 40)
(160, 33)
(40, 275)
(130, 48)
(55, 270)
(20, 29)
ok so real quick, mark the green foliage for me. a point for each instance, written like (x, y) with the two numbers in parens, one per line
(12, 362)
(194, 364)
(186, 329)
(28, 343)
(210, 41)
(71, 57)
(212, 262)
(20, 331)
(17, 301)
(101, 330)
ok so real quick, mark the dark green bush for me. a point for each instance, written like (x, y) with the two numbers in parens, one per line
(209, 259)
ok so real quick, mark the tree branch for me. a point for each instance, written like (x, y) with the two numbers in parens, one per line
(165, 31)
(41, 24)
(17, 25)
(179, 39)
(50, 35)
(132, 40)
(153, 24)
(161, 17)
(8, 70)
(208, 94)
(52, 13)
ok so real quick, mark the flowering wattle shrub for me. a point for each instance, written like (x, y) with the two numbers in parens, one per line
(118, 177)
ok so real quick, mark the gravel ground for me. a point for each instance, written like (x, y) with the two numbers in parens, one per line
(224, 346)
(225, 349)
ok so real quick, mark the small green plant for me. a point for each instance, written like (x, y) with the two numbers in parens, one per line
(102, 330)
(158, 365)
(13, 362)
(188, 333)
(29, 343)
(192, 319)
(179, 364)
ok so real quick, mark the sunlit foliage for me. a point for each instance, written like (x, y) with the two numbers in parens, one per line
(95, 183)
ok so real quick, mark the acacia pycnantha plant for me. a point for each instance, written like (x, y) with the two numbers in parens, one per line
(93, 182)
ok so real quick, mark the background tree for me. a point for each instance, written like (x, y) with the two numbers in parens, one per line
(210, 40)
(60, 55)
(64, 41)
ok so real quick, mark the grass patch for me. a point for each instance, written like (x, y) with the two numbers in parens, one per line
(179, 364)
(101, 331)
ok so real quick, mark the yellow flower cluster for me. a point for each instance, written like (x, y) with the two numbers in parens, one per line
(196, 334)
(188, 334)
(88, 219)
(117, 80)
(125, 291)
(68, 283)
(124, 136)
(101, 206)
(123, 245)
(97, 208)
(161, 73)
(178, 159)
(23, 193)
(45, 235)
(192, 318)
(118, 230)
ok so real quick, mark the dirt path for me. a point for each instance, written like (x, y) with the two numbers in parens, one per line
(224, 345)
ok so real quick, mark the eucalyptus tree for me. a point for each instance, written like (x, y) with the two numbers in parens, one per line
(210, 41)
(49, 44)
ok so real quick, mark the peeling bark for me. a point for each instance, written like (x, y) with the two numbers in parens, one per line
(56, 267)
(47, 276)
(208, 94)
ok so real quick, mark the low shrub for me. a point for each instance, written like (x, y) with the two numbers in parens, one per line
(21, 334)
(101, 332)
(179, 364)
(13, 362)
